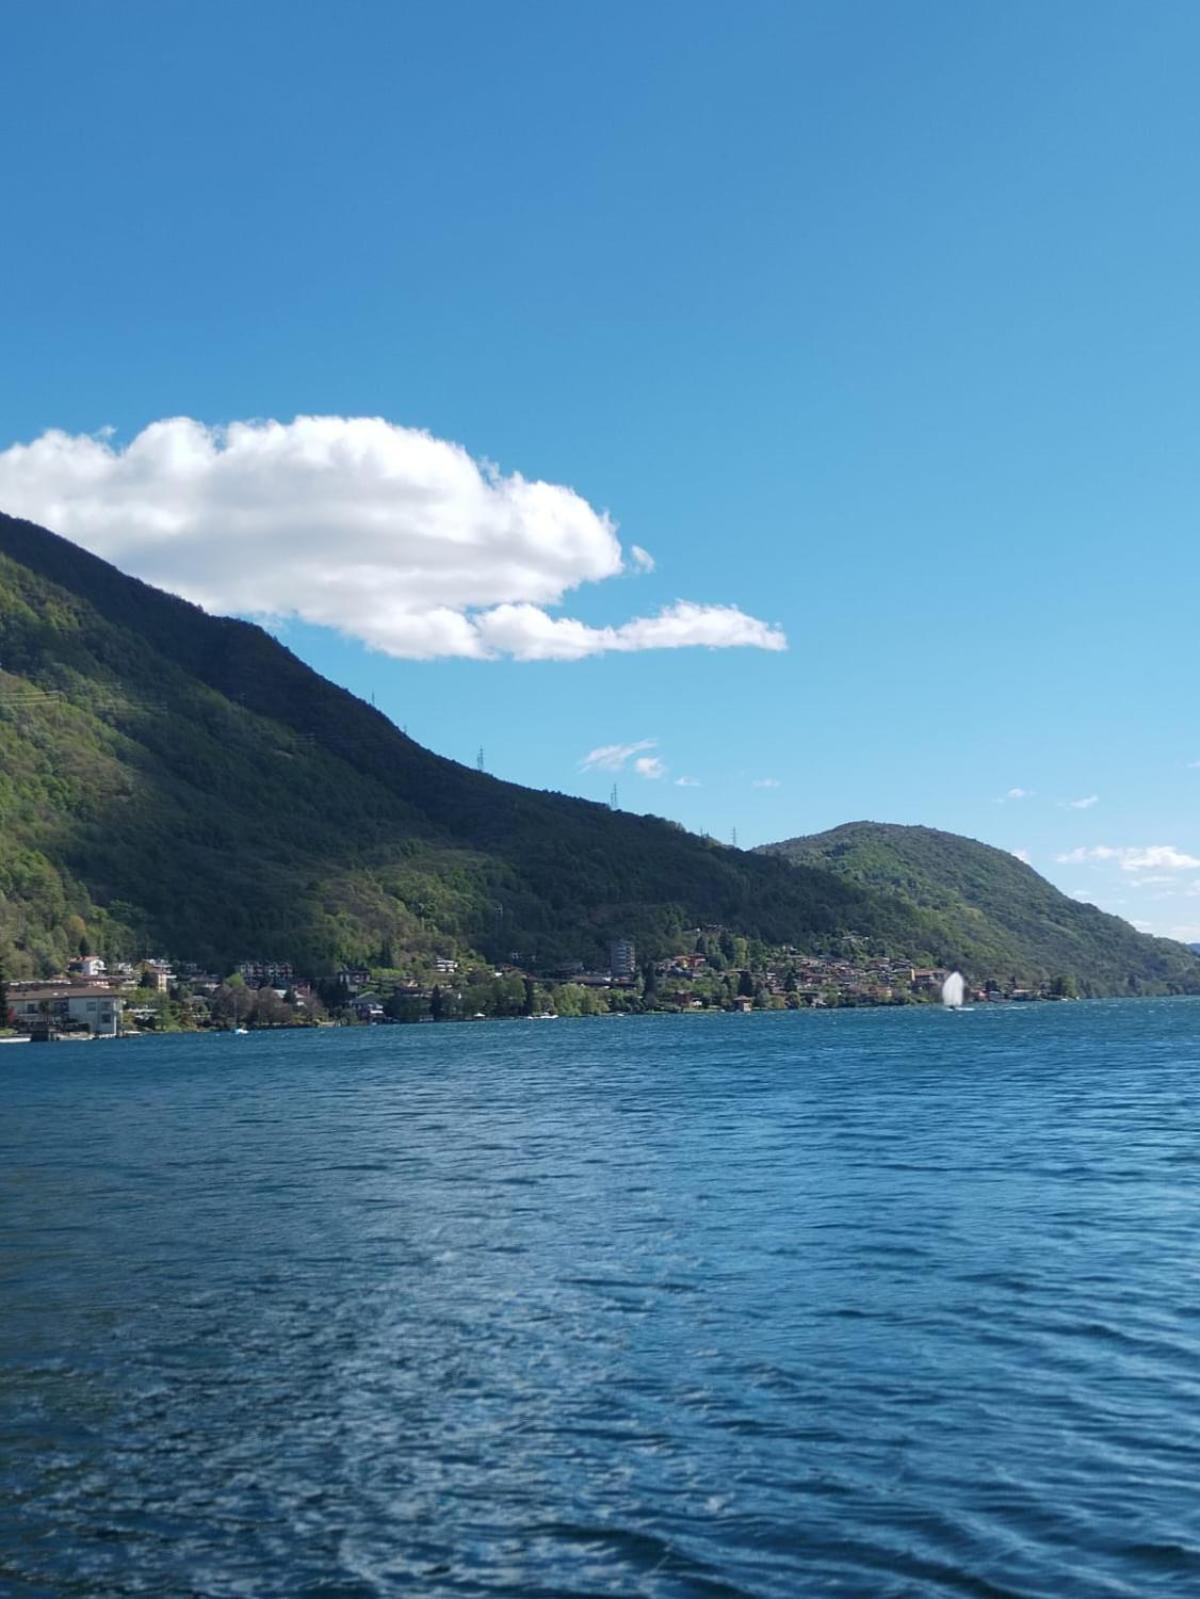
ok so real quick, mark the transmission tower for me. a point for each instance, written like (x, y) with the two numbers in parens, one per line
(479, 767)
(612, 798)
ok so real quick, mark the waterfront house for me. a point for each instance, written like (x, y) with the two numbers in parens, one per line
(66, 1006)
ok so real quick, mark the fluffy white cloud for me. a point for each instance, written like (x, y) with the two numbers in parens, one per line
(1023, 855)
(390, 535)
(1014, 794)
(688, 782)
(612, 757)
(649, 766)
(1084, 804)
(765, 782)
(1145, 858)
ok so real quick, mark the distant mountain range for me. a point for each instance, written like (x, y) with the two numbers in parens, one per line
(176, 782)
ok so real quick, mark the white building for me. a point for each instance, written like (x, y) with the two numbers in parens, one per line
(98, 1009)
(88, 966)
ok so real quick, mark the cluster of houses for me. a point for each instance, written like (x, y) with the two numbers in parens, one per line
(90, 997)
(104, 1000)
(798, 980)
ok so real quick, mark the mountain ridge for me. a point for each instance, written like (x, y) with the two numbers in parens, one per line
(175, 781)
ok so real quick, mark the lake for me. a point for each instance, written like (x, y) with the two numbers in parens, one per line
(884, 1302)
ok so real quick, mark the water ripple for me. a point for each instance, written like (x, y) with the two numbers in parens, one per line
(852, 1305)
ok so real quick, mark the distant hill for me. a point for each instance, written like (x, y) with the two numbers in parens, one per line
(987, 912)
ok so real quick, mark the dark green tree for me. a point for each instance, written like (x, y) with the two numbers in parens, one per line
(745, 986)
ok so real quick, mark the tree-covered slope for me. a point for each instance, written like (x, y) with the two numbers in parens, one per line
(178, 781)
(990, 914)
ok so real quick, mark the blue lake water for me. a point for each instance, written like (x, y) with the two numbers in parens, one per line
(866, 1303)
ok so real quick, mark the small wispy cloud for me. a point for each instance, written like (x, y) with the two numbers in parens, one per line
(612, 757)
(1133, 858)
(1014, 794)
(688, 782)
(1023, 855)
(642, 559)
(1193, 766)
(766, 782)
(1084, 804)
(650, 766)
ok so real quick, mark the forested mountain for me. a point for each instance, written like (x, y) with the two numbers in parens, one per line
(176, 782)
(171, 780)
(988, 912)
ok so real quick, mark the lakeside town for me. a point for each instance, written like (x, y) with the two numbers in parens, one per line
(722, 972)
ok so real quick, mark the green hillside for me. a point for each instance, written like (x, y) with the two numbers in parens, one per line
(990, 914)
(175, 781)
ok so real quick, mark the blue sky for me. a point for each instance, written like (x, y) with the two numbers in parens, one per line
(877, 322)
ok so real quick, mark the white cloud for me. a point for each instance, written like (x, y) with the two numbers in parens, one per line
(642, 559)
(1084, 804)
(1023, 855)
(1149, 857)
(650, 766)
(688, 782)
(528, 634)
(390, 535)
(765, 782)
(612, 757)
(1014, 794)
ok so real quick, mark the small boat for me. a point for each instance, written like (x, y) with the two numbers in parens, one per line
(241, 1032)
